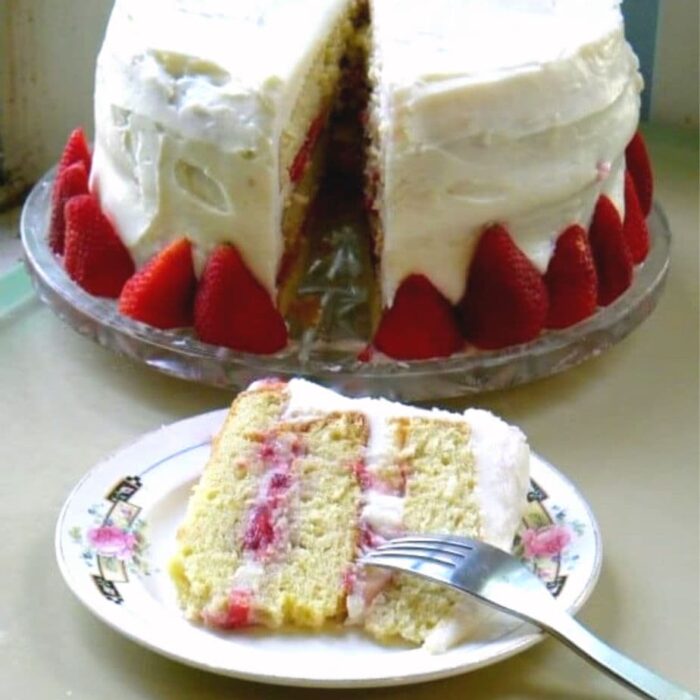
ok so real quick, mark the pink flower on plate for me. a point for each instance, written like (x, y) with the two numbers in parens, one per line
(111, 541)
(545, 541)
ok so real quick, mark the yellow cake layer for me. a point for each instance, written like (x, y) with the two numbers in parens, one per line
(439, 497)
(317, 96)
(207, 555)
(302, 584)
(318, 90)
(306, 587)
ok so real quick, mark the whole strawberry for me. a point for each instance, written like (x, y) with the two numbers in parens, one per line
(76, 150)
(420, 323)
(611, 253)
(94, 257)
(70, 182)
(639, 167)
(162, 292)
(233, 309)
(506, 300)
(571, 280)
(634, 229)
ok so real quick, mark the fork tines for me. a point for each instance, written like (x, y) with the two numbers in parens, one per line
(414, 552)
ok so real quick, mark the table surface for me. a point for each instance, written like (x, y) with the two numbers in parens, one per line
(623, 427)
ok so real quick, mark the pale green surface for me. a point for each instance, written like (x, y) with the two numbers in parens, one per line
(10, 244)
(15, 286)
(15, 289)
(624, 427)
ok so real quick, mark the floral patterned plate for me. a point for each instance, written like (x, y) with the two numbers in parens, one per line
(116, 533)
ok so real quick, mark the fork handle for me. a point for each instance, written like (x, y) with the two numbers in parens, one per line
(631, 674)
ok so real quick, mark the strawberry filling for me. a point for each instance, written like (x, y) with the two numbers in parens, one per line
(236, 614)
(303, 156)
(267, 525)
(369, 537)
(389, 485)
(239, 610)
(266, 530)
(364, 478)
(363, 584)
(260, 533)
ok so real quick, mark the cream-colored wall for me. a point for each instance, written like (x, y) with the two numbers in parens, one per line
(675, 89)
(47, 59)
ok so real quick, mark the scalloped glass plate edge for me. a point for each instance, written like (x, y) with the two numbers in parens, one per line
(182, 356)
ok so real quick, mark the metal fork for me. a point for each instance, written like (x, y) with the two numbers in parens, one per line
(502, 581)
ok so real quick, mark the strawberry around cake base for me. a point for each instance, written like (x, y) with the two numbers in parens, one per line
(507, 301)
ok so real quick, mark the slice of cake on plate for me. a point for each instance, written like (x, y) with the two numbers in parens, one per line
(302, 480)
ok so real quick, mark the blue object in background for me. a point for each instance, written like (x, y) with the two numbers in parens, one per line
(641, 24)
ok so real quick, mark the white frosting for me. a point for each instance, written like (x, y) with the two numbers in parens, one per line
(383, 512)
(501, 462)
(501, 456)
(248, 575)
(191, 97)
(494, 111)
(516, 111)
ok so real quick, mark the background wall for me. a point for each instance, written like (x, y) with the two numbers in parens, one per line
(47, 62)
(641, 27)
(48, 50)
(675, 84)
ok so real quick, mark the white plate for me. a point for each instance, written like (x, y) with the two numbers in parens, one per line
(116, 533)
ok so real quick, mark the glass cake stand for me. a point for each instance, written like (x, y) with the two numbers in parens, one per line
(329, 352)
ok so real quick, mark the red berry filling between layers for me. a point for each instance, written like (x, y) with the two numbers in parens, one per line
(237, 614)
(303, 157)
(268, 518)
(266, 528)
(361, 584)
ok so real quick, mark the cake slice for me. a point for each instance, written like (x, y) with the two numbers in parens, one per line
(301, 481)
(268, 535)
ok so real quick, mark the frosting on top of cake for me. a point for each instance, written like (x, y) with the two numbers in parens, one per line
(509, 111)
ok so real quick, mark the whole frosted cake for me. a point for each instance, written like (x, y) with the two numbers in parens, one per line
(301, 481)
(506, 188)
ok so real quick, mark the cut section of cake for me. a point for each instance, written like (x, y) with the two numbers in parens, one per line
(301, 481)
